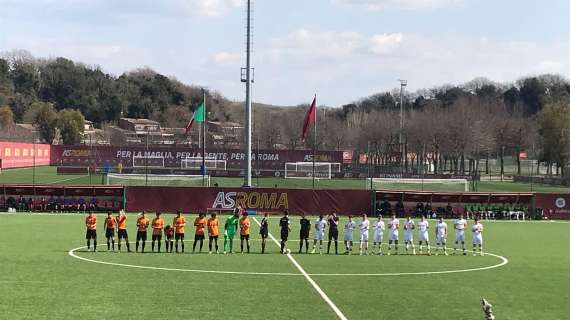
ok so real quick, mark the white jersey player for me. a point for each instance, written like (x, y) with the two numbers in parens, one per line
(477, 230)
(364, 226)
(393, 226)
(423, 235)
(320, 226)
(409, 227)
(379, 228)
(348, 234)
(441, 236)
(460, 225)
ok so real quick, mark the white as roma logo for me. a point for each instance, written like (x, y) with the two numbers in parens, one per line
(560, 203)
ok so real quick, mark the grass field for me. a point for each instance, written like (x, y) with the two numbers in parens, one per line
(40, 280)
(48, 175)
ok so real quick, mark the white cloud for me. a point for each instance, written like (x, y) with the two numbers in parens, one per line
(226, 58)
(377, 5)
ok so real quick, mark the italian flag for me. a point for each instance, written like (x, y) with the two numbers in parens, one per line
(198, 116)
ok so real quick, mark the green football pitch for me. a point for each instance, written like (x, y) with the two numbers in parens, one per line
(48, 175)
(46, 273)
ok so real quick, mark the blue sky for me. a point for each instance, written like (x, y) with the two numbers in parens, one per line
(342, 50)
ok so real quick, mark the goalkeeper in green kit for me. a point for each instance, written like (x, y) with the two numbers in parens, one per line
(230, 230)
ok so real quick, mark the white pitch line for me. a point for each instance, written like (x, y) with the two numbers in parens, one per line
(72, 254)
(311, 281)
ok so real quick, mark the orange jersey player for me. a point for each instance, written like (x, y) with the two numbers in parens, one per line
(157, 226)
(91, 225)
(213, 232)
(244, 226)
(122, 233)
(200, 224)
(179, 224)
(110, 226)
(169, 235)
(142, 226)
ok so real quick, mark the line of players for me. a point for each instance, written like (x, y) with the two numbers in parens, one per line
(174, 235)
(379, 228)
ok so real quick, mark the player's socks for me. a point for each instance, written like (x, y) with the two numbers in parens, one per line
(94, 245)
(128, 246)
(158, 246)
(113, 244)
(182, 245)
(194, 246)
(108, 245)
(247, 247)
(176, 245)
(137, 246)
(201, 245)
(143, 245)
(88, 245)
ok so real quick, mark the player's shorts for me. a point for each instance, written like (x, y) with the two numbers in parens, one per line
(109, 232)
(156, 237)
(333, 234)
(122, 233)
(141, 235)
(304, 235)
(423, 236)
(91, 234)
(378, 236)
(348, 236)
(198, 237)
(459, 235)
(478, 239)
(441, 238)
(284, 235)
(244, 237)
(211, 237)
(394, 235)
(169, 237)
(364, 237)
(179, 236)
(319, 235)
(408, 236)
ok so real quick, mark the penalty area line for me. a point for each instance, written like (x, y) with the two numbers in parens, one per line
(320, 291)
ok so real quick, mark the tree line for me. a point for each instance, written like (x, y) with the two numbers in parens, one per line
(451, 127)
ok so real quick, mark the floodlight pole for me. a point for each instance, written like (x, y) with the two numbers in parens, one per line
(247, 177)
(204, 142)
(403, 84)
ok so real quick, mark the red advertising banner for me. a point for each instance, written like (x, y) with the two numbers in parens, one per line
(555, 206)
(297, 201)
(16, 155)
(106, 156)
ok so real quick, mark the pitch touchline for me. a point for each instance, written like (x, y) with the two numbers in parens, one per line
(311, 281)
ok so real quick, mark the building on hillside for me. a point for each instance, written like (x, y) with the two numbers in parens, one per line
(94, 136)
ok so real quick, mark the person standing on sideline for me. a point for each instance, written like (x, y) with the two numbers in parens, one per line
(230, 229)
(213, 233)
(244, 226)
(320, 226)
(91, 225)
(200, 224)
(264, 231)
(142, 227)
(179, 225)
(333, 233)
(378, 227)
(122, 233)
(364, 227)
(304, 233)
(110, 226)
(348, 235)
(285, 229)
(157, 226)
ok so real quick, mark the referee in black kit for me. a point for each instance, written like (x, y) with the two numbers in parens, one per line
(333, 233)
(284, 225)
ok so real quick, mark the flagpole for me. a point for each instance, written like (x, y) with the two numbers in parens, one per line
(315, 140)
(204, 142)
